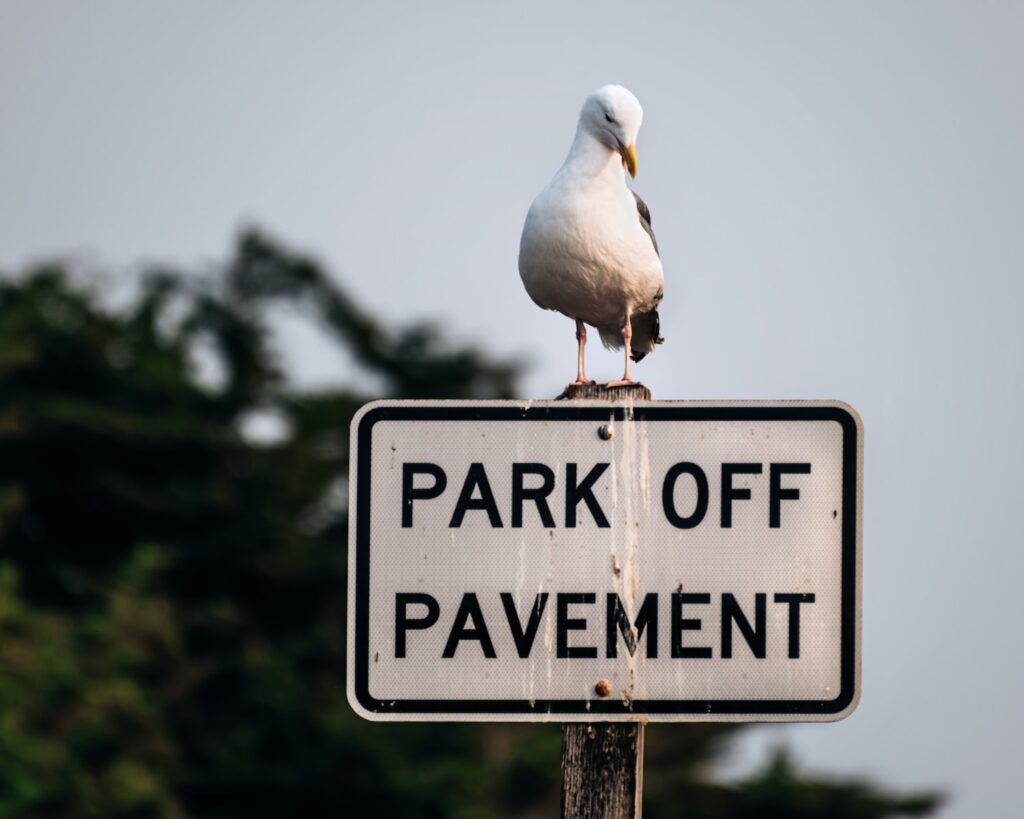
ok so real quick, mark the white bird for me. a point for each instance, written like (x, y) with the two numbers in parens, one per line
(587, 248)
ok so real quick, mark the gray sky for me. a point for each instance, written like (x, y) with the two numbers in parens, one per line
(837, 190)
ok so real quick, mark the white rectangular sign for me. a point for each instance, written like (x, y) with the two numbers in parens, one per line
(580, 560)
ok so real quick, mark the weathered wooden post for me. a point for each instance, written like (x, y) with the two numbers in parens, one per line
(602, 770)
(603, 762)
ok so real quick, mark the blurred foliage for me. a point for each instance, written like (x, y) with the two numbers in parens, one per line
(172, 619)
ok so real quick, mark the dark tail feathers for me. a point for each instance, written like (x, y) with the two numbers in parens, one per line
(646, 334)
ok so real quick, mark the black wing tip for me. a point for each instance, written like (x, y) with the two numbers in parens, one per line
(640, 355)
(655, 333)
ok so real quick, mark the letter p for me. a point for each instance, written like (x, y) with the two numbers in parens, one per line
(411, 492)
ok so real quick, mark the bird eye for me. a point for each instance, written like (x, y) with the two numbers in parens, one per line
(609, 117)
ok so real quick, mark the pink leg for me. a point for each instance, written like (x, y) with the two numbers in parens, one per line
(581, 338)
(627, 338)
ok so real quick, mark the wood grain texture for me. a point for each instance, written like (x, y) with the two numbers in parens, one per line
(602, 770)
(603, 762)
(599, 392)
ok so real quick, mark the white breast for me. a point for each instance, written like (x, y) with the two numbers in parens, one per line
(585, 253)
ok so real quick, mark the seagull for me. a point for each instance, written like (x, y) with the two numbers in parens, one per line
(587, 248)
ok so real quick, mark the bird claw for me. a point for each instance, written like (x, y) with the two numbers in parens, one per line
(628, 382)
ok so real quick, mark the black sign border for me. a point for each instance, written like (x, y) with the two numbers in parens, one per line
(604, 412)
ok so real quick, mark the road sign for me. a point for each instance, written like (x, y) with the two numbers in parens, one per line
(569, 560)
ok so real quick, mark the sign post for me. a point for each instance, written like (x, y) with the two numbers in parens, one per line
(609, 560)
(603, 762)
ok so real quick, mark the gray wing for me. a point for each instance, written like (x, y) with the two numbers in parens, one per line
(645, 219)
(646, 326)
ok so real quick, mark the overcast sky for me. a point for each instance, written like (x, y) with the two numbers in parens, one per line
(837, 190)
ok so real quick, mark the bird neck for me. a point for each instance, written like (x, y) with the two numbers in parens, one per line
(590, 158)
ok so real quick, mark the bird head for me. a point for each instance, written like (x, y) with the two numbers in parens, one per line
(612, 115)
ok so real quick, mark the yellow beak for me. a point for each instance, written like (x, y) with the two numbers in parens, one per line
(629, 158)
